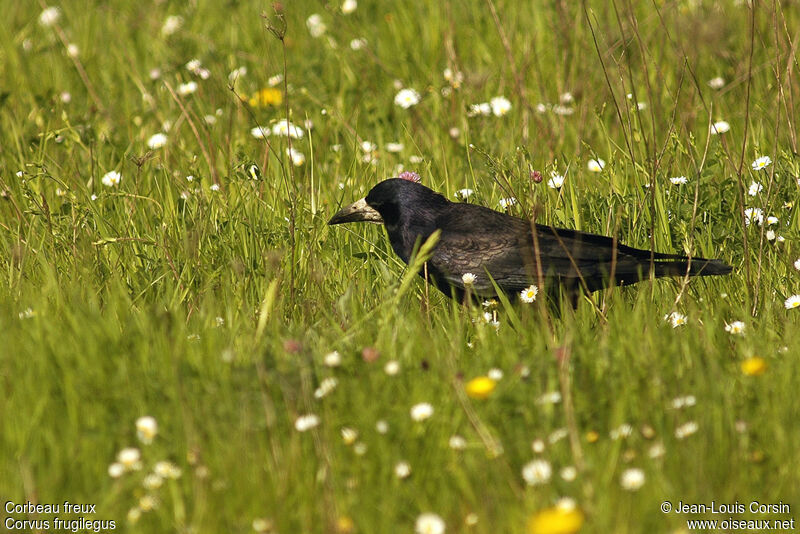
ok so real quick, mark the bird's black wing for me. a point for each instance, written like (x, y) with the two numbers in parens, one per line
(482, 241)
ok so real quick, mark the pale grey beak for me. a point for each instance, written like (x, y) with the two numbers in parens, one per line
(358, 211)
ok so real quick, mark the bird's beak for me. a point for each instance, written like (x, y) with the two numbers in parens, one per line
(358, 211)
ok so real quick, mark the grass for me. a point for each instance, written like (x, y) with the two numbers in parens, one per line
(213, 311)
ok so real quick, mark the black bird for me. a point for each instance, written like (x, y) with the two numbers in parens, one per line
(514, 252)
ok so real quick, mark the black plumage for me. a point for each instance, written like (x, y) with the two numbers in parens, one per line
(487, 243)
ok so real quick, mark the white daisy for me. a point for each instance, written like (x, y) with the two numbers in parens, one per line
(686, 430)
(429, 523)
(596, 165)
(406, 98)
(736, 327)
(72, 50)
(166, 469)
(558, 109)
(49, 16)
(188, 88)
(752, 215)
(368, 146)
(657, 450)
(171, 25)
(146, 429)
(130, 458)
(111, 179)
(454, 78)
(754, 189)
(134, 514)
(392, 368)
(325, 387)
(402, 470)
(495, 374)
(720, 127)
(683, 402)
(716, 83)
(528, 294)
(381, 426)
(394, 147)
(792, 302)
(116, 470)
(147, 503)
(468, 279)
(537, 446)
(286, 128)
(421, 411)
(237, 73)
(551, 397)
(306, 422)
(537, 472)
(152, 481)
(566, 98)
(332, 359)
(679, 180)
(632, 479)
(556, 181)
(348, 6)
(568, 473)
(297, 157)
(157, 141)
(797, 264)
(557, 435)
(193, 65)
(770, 235)
(507, 202)
(272, 81)
(622, 431)
(675, 319)
(358, 44)
(484, 109)
(349, 435)
(772, 220)
(761, 163)
(500, 106)
(457, 443)
(464, 194)
(315, 26)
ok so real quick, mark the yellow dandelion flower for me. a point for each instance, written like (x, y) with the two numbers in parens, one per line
(480, 388)
(592, 436)
(556, 520)
(754, 366)
(345, 525)
(268, 96)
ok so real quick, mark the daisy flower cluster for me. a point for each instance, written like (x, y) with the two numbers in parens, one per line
(129, 460)
(754, 215)
(497, 106)
(564, 106)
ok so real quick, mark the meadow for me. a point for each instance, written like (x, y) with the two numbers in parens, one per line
(188, 346)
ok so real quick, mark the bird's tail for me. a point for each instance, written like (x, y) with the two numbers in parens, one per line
(682, 266)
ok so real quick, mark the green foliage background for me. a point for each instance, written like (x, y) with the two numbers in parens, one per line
(164, 297)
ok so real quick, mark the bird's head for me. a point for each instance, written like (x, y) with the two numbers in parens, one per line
(391, 202)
